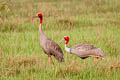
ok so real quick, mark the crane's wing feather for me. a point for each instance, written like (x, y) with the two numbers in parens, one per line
(55, 50)
(86, 50)
(83, 47)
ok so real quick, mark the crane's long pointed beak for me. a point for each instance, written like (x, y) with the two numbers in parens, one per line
(34, 17)
(61, 40)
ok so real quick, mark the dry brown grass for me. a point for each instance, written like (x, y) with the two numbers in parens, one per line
(70, 68)
(0, 54)
(66, 22)
(15, 65)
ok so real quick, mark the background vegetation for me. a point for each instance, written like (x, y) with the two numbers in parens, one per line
(94, 22)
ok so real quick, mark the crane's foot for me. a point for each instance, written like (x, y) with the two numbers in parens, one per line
(50, 61)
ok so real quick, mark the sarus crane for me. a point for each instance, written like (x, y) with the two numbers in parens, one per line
(83, 50)
(49, 47)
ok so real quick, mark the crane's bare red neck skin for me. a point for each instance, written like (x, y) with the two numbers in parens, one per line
(41, 17)
(66, 39)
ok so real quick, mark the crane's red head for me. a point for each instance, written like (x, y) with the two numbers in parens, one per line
(41, 17)
(66, 38)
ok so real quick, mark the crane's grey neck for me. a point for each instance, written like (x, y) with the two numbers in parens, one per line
(40, 29)
(42, 35)
(67, 49)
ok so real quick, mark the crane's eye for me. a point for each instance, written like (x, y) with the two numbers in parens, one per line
(65, 39)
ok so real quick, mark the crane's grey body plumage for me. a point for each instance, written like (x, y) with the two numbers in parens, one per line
(50, 47)
(85, 50)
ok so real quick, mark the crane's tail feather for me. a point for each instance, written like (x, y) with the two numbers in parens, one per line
(97, 53)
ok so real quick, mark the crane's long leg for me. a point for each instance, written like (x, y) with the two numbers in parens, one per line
(50, 60)
(84, 61)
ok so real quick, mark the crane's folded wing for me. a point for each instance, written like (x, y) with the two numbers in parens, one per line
(55, 50)
(83, 47)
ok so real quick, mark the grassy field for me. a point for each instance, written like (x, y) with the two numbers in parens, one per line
(94, 22)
